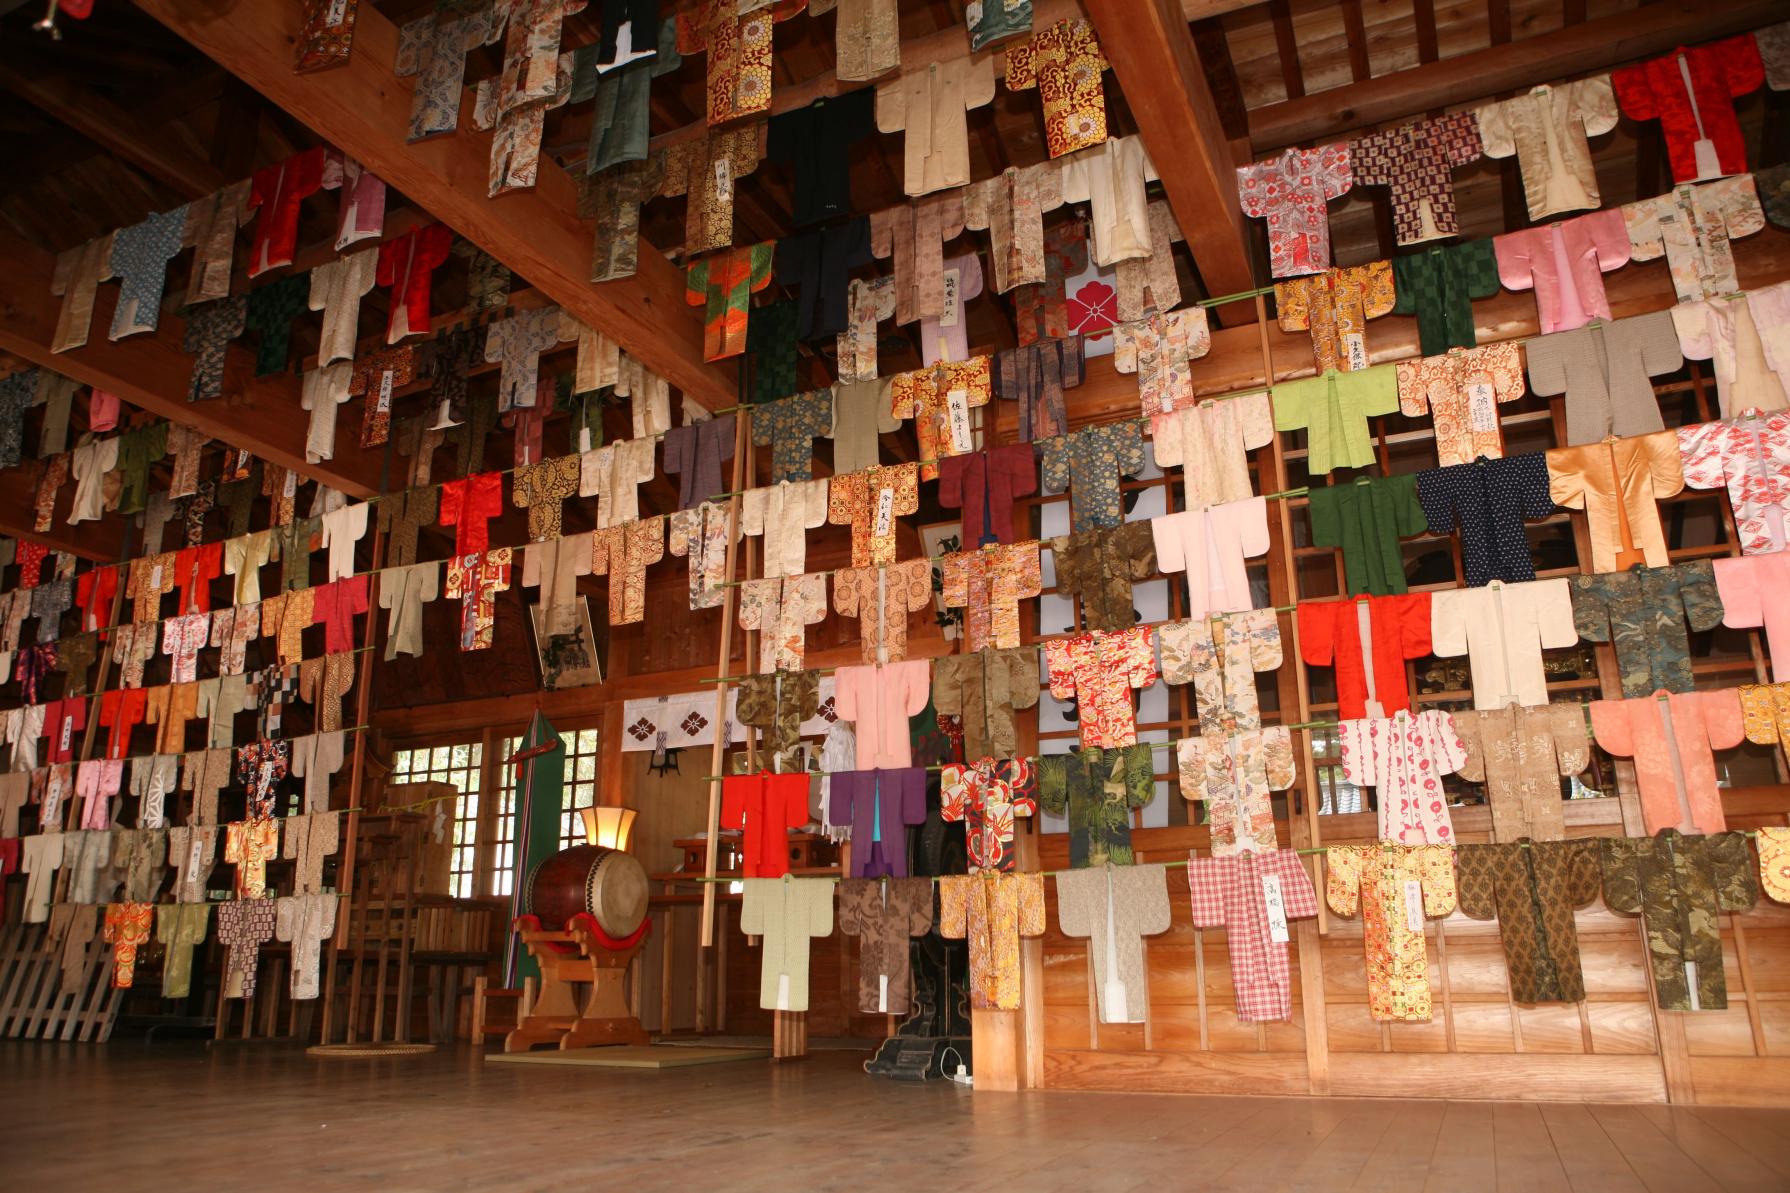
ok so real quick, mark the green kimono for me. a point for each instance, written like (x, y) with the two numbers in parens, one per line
(1333, 410)
(1438, 285)
(1366, 518)
(1097, 789)
(1642, 613)
(1679, 886)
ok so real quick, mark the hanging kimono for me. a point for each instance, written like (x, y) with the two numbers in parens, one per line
(1096, 790)
(1098, 671)
(1750, 456)
(1672, 739)
(1502, 629)
(1097, 568)
(1252, 896)
(884, 914)
(992, 911)
(1606, 373)
(988, 796)
(1619, 484)
(1531, 889)
(1462, 390)
(723, 285)
(1680, 886)
(1520, 755)
(1291, 192)
(1416, 162)
(983, 689)
(1694, 227)
(1367, 640)
(1395, 887)
(1642, 613)
(1114, 909)
(1404, 757)
(1335, 307)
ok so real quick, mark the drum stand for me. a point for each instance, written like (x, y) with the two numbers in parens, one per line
(582, 955)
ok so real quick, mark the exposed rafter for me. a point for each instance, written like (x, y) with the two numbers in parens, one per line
(1569, 52)
(1151, 49)
(262, 414)
(364, 109)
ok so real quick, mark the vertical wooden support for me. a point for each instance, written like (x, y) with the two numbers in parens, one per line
(363, 715)
(742, 451)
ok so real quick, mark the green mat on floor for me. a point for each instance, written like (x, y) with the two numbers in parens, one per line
(631, 1056)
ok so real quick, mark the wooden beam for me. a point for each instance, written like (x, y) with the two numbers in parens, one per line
(1286, 48)
(1566, 53)
(115, 130)
(364, 110)
(1355, 30)
(1152, 54)
(152, 371)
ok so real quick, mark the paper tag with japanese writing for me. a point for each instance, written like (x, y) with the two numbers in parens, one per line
(1482, 399)
(953, 299)
(1355, 348)
(882, 993)
(724, 179)
(338, 12)
(885, 511)
(68, 728)
(1276, 905)
(290, 490)
(957, 414)
(192, 857)
(384, 404)
(1413, 904)
(155, 578)
(265, 782)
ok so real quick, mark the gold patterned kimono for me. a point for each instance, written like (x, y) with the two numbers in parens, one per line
(623, 553)
(541, 489)
(988, 585)
(1765, 708)
(983, 690)
(1461, 391)
(1335, 307)
(1520, 755)
(1774, 863)
(939, 400)
(474, 580)
(705, 169)
(881, 599)
(1220, 656)
(739, 51)
(780, 609)
(1395, 888)
(1064, 63)
(992, 911)
(869, 502)
(1235, 773)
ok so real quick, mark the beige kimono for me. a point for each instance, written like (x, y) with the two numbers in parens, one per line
(930, 103)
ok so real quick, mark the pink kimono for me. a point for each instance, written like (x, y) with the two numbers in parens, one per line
(878, 701)
(1699, 723)
(1744, 583)
(1564, 263)
(1210, 545)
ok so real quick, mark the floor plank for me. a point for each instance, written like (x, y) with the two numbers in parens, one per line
(74, 1116)
(1660, 1164)
(1591, 1161)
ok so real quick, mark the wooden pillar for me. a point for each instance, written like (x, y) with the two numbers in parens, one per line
(742, 450)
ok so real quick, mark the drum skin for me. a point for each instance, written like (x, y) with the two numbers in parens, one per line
(607, 883)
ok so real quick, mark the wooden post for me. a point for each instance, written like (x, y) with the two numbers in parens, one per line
(742, 452)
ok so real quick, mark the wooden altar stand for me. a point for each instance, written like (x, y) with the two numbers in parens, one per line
(581, 956)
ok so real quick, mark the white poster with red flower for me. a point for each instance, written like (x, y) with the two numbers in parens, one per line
(1092, 301)
(688, 719)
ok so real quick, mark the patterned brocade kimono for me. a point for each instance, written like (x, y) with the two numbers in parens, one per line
(1395, 888)
(992, 911)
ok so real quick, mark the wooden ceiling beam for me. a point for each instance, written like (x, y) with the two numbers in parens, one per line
(261, 415)
(115, 130)
(364, 110)
(1151, 50)
(1565, 53)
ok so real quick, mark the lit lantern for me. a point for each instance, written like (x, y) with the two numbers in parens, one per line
(608, 827)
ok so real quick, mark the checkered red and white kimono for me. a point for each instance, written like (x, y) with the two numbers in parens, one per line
(1231, 893)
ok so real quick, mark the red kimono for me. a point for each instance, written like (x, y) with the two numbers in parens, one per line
(278, 190)
(1331, 633)
(766, 806)
(1717, 72)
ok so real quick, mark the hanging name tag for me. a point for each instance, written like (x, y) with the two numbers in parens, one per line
(68, 728)
(192, 858)
(1355, 349)
(724, 180)
(385, 392)
(338, 12)
(1482, 401)
(1413, 905)
(957, 414)
(882, 993)
(1277, 908)
(155, 578)
(290, 490)
(265, 783)
(953, 299)
(782, 992)
(885, 511)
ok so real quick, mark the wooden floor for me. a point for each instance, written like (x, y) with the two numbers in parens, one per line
(181, 1117)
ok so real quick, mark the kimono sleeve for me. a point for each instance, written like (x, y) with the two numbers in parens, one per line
(1731, 866)
(1137, 545)
(1495, 136)
(1326, 524)
(1125, 348)
(1594, 103)
(1435, 867)
(1317, 632)
(1743, 601)
(1053, 788)
(954, 906)
(753, 917)
(1516, 263)
(1578, 871)
(1140, 658)
(1372, 162)
(919, 906)
(1530, 487)
(1566, 478)
(1277, 757)
(978, 85)
(1610, 725)
(1354, 743)
(1290, 413)
(1635, 93)
(1298, 897)
(913, 796)
(1572, 743)
(1058, 662)
(847, 592)
(1450, 752)
(696, 285)
(1207, 880)
(1665, 467)
(733, 807)
(919, 688)
(1127, 442)
(1140, 775)
(1378, 296)
(1292, 301)
(1054, 473)
(1742, 66)
(1722, 719)
(1478, 886)
(1435, 496)
(1469, 727)
(1554, 613)
(1700, 455)
(1460, 137)
(1251, 196)
(1702, 599)
(1413, 621)
(853, 894)
(1407, 515)
(1029, 895)
(1022, 674)
(1695, 329)
(1546, 358)
(1413, 394)
(1342, 884)
(1449, 611)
